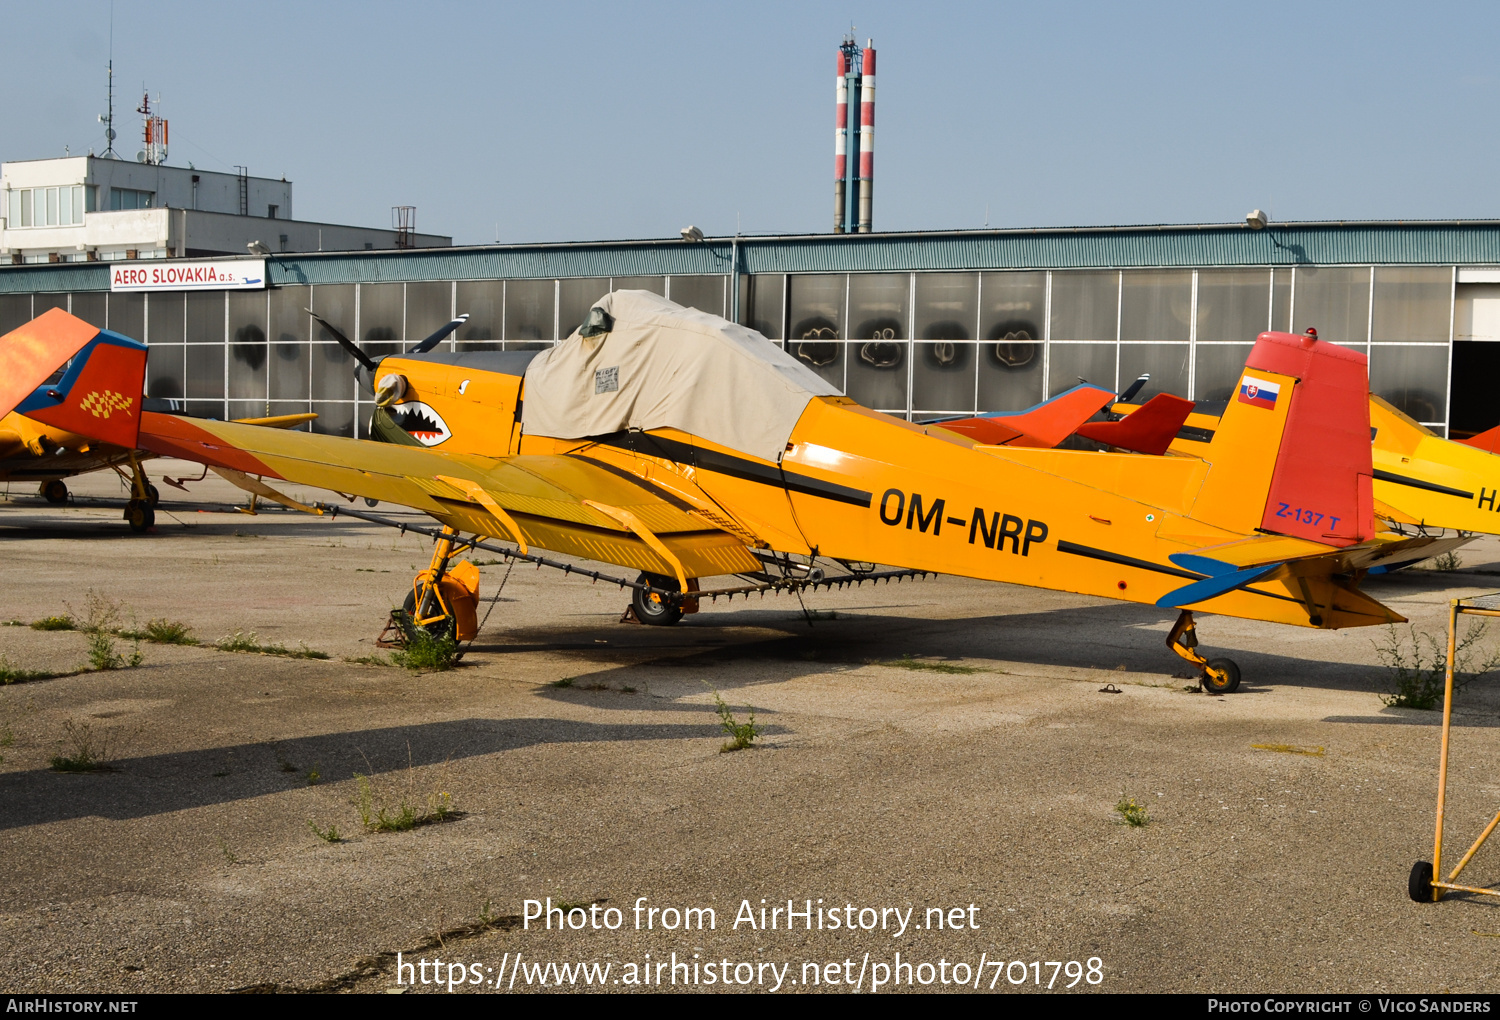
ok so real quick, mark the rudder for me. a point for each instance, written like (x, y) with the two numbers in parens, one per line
(1291, 454)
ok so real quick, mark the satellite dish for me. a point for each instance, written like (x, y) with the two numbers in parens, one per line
(140, 157)
(109, 133)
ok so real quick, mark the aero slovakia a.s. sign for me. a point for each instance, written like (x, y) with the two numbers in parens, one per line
(225, 274)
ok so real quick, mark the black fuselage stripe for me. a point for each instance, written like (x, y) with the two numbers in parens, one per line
(1131, 561)
(1125, 561)
(735, 467)
(1417, 483)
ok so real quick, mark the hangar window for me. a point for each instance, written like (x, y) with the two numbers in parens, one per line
(130, 198)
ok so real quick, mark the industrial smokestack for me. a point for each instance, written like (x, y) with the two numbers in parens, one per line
(866, 136)
(840, 145)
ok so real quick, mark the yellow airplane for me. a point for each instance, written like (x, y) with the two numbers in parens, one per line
(681, 445)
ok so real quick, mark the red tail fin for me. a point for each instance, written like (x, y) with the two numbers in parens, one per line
(31, 353)
(1150, 428)
(100, 394)
(1488, 441)
(1044, 426)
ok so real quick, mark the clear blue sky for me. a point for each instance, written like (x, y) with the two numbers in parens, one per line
(578, 121)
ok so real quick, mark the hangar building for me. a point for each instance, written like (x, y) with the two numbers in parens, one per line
(916, 324)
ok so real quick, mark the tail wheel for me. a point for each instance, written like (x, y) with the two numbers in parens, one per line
(652, 608)
(140, 516)
(1221, 677)
(439, 629)
(55, 491)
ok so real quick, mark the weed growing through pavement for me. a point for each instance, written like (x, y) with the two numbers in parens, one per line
(741, 735)
(567, 681)
(100, 623)
(15, 675)
(239, 641)
(1131, 813)
(168, 632)
(402, 817)
(86, 750)
(328, 835)
(63, 622)
(1448, 561)
(422, 651)
(369, 660)
(313, 776)
(228, 853)
(1418, 661)
(907, 662)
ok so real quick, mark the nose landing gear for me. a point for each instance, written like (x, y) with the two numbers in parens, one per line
(1217, 676)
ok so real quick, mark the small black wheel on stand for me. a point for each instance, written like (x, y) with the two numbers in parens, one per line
(1221, 677)
(1419, 884)
(55, 491)
(140, 516)
(652, 608)
(439, 629)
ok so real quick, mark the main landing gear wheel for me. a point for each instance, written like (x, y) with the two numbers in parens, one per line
(1419, 885)
(1221, 676)
(55, 491)
(153, 497)
(439, 629)
(140, 515)
(650, 607)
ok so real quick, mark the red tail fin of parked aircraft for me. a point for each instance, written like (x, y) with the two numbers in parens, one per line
(1150, 428)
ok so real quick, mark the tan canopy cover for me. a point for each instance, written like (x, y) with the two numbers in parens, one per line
(662, 366)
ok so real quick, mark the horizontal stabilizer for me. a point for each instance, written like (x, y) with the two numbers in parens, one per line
(99, 395)
(1488, 441)
(1150, 428)
(1225, 579)
(31, 353)
(1043, 426)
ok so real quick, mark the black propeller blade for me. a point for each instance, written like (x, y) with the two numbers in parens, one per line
(344, 342)
(437, 338)
(1134, 388)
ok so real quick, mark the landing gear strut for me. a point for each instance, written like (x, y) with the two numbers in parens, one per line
(1218, 676)
(140, 510)
(443, 598)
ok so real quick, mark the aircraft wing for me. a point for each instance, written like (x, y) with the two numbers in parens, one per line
(568, 504)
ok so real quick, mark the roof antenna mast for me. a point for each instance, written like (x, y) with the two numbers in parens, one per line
(108, 119)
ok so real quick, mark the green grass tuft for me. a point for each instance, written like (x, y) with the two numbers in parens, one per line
(907, 662)
(425, 652)
(87, 749)
(567, 681)
(239, 641)
(328, 835)
(1131, 813)
(402, 817)
(64, 622)
(1419, 665)
(741, 735)
(12, 675)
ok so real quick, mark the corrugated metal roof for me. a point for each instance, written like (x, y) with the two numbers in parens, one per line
(1334, 243)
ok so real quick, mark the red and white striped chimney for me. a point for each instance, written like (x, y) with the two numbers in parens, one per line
(840, 145)
(866, 136)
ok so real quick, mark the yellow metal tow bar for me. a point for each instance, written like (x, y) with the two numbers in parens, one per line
(1425, 884)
